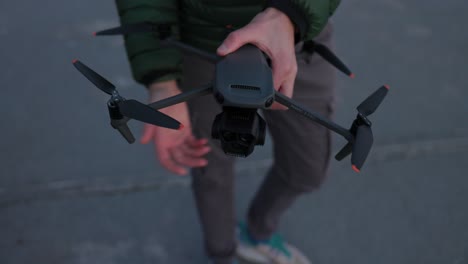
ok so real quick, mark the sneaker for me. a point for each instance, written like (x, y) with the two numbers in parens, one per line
(272, 251)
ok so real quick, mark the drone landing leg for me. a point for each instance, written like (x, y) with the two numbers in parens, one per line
(122, 127)
(288, 102)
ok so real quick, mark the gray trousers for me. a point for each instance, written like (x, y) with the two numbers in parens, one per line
(301, 155)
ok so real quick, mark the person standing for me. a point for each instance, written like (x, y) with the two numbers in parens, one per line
(301, 148)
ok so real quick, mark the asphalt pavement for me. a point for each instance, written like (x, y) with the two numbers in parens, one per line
(73, 191)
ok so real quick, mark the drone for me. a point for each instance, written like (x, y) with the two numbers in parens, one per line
(242, 85)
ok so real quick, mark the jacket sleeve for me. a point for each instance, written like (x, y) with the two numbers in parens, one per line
(309, 16)
(148, 61)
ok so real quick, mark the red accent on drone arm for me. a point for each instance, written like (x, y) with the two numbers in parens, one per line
(355, 168)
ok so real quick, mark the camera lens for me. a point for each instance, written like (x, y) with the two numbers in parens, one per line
(229, 136)
(246, 138)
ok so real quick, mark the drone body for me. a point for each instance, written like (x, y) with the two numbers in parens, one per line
(243, 84)
(244, 79)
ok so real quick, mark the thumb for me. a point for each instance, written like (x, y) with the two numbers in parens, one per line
(235, 40)
(147, 134)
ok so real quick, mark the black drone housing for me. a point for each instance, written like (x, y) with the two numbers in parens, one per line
(243, 84)
(243, 79)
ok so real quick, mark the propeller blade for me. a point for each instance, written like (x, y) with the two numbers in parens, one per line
(101, 83)
(368, 106)
(344, 152)
(361, 147)
(144, 27)
(329, 56)
(146, 114)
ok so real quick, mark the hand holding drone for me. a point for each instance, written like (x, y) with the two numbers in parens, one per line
(242, 85)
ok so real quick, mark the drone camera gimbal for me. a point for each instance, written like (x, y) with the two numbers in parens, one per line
(239, 130)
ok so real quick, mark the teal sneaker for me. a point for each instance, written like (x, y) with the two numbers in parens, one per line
(272, 251)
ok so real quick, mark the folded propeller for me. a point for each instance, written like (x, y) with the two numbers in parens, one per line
(309, 47)
(361, 130)
(119, 107)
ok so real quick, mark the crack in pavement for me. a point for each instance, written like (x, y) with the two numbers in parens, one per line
(70, 189)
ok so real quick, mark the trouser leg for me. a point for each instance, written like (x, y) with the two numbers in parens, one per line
(213, 188)
(213, 185)
(301, 147)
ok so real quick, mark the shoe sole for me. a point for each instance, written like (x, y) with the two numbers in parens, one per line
(252, 256)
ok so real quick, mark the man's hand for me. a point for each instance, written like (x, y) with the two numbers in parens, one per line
(176, 150)
(272, 32)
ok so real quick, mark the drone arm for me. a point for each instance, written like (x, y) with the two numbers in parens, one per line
(207, 89)
(190, 49)
(288, 102)
(121, 124)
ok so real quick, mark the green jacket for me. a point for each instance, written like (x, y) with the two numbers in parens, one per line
(203, 23)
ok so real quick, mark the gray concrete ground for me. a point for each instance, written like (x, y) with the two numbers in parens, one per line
(72, 191)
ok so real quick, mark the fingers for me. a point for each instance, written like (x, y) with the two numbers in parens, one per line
(193, 142)
(187, 158)
(196, 148)
(235, 40)
(284, 68)
(188, 154)
(287, 87)
(284, 76)
(165, 158)
(148, 132)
